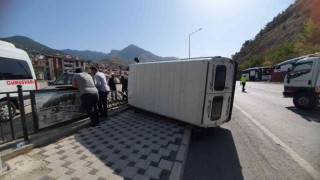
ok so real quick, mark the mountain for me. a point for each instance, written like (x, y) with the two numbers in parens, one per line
(292, 33)
(31, 46)
(87, 55)
(126, 55)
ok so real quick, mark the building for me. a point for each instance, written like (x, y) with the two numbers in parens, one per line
(48, 67)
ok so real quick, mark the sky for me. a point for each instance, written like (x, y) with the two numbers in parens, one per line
(161, 26)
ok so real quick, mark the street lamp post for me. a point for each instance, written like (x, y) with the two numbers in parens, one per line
(189, 38)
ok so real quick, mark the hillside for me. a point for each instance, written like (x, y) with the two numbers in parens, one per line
(87, 55)
(127, 55)
(292, 33)
(31, 46)
(124, 56)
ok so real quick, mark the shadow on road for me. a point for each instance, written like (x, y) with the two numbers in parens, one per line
(212, 155)
(309, 115)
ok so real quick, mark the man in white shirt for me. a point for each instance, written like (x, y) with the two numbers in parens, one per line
(100, 82)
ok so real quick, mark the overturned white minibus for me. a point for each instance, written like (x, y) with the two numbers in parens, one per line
(199, 91)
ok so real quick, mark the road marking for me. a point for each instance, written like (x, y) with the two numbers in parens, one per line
(304, 164)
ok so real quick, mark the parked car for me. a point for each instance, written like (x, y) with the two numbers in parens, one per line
(65, 81)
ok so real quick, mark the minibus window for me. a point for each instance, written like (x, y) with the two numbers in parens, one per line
(11, 69)
(216, 108)
(220, 78)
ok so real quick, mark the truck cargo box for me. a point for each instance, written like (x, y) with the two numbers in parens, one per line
(198, 91)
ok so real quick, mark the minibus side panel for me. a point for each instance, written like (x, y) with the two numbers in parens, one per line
(22, 66)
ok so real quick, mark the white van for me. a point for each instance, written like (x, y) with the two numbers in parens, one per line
(198, 91)
(15, 69)
(303, 82)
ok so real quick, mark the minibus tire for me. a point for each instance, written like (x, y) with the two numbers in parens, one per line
(3, 106)
(304, 101)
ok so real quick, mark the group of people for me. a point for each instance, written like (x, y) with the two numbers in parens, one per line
(94, 91)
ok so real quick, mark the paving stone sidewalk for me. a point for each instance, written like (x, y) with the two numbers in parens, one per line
(128, 146)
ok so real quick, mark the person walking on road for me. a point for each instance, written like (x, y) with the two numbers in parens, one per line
(243, 82)
(113, 87)
(100, 82)
(89, 94)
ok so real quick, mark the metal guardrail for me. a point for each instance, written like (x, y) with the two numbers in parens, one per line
(13, 125)
(21, 124)
(116, 98)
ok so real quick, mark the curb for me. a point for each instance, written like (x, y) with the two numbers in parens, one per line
(181, 158)
(47, 137)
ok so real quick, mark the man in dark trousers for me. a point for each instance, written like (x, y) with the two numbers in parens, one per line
(100, 82)
(113, 87)
(243, 82)
(124, 83)
(89, 94)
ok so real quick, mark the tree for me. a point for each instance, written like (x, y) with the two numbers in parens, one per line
(310, 33)
(284, 27)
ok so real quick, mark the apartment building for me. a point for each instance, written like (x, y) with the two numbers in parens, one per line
(48, 67)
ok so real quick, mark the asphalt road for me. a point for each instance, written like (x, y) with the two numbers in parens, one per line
(267, 138)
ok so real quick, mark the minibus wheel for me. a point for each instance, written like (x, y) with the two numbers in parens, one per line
(4, 111)
(304, 100)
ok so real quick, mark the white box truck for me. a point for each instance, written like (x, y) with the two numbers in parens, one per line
(302, 82)
(199, 91)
